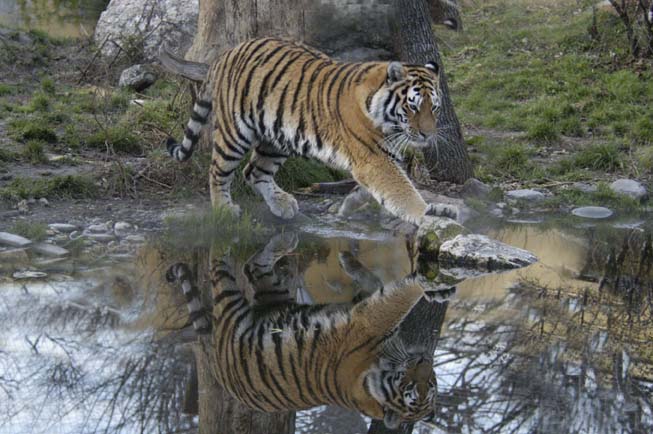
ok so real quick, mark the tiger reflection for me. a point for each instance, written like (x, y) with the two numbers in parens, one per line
(292, 356)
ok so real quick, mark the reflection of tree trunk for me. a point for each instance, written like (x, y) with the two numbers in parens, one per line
(415, 43)
(219, 413)
(423, 324)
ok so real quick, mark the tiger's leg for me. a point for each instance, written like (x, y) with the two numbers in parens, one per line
(259, 173)
(225, 161)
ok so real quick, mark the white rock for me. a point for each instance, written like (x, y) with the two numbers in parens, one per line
(50, 250)
(137, 77)
(98, 228)
(62, 227)
(525, 194)
(23, 206)
(13, 240)
(103, 238)
(173, 22)
(122, 228)
(135, 238)
(43, 201)
(19, 275)
(630, 188)
(479, 251)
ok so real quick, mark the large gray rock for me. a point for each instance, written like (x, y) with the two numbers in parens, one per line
(147, 24)
(137, 77)
(630, 188)
(592, 212)
(481, 252)
(475, 188)
(14, 240)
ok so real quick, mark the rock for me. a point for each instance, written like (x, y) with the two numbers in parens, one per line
(526, 195)
(135, 238)
(592, 212)
(584, 187)
(475, 188)
(433, 231)
(13, 240)
(20, 275)
(50, 250)
(98, 228)
(121, 229)
(103, 238)
(13, 256)
(63, 228)
(137, 77)
(149, 23)
(23, 206)
(630, 188)
(479, 251)
(75, 235)
(43, 201)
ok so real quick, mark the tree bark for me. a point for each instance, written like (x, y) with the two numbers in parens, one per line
(448, 159)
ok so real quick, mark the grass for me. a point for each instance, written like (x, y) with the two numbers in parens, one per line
(119, 137)
(34, 152)
(25, 129)
(534, 68)
(64, 187)
(30, 230)
(604, 196)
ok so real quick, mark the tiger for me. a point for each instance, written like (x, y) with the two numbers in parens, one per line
(280, 98)
(293, 357)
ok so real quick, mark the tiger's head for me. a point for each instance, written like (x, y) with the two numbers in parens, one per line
(407, 105)
(406, 391)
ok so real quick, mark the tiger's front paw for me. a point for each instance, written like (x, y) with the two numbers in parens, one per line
(283, 205)
(442, 210)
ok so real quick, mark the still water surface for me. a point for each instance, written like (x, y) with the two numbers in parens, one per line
(93, 347)
(58, 18)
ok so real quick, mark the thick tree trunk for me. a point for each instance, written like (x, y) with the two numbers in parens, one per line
(415, 43)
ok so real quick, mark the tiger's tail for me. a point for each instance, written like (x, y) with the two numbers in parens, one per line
(198, 118)
(198, 315)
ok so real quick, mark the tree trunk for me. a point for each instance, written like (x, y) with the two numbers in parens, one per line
(223, 24)
(415, 43)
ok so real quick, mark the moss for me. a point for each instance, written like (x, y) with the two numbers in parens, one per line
(77, 187)
(34, 153)
(30, 230)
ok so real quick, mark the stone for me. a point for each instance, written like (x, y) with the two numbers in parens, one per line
(43, 201)
(63, 228)
(584, 187)
(630, 188)
(21, 275)
(137, 77)
(121, 229)
(433, 231)
(23, 206)
(75, 235)
(526, 195)
(150, 23)
(479, 251)
(13, 240)
(98, 228)
(49, 250)
(592, 212)
(13, 256)
(135, 238)
(103, 238)
(475, 188)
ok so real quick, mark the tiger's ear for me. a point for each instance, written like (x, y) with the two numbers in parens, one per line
(391, 419)
(433, 66)
(396, 72)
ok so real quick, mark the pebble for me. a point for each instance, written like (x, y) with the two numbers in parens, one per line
(23, 207)
(43, 201)
(100, 228)
(14, 256)
(63, 227)
(103, 238)
(592, 212)
(525, 194)
(29, 275)
(584, 187)
(122, 228)
(135, 238)
(630, 188)
(75, 235)
(475, 188)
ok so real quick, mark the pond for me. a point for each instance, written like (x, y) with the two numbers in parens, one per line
(58, 18)
(98, 344)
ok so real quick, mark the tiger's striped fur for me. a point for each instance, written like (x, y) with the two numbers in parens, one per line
(299, 356)
(280, 98)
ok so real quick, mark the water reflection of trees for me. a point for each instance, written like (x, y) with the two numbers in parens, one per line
(552, 360)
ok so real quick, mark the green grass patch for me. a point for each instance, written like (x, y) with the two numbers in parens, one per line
(34, 152)
(64, 187)
(603, 156)
(47, 84)
(645, 158)
(119, 137)
(7, 89)
(31, 129)
(30, 230)
(299, 172)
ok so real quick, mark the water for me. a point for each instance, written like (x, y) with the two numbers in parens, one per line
(58, 18)
(96, 345)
